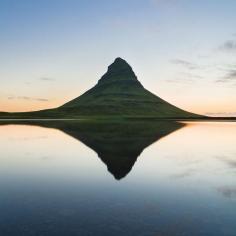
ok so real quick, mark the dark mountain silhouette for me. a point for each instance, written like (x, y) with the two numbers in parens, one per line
(118, 144)
(117, 93)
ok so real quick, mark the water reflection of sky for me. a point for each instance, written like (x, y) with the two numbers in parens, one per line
(184, 184)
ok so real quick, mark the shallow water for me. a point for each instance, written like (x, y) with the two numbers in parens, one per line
(108, 179)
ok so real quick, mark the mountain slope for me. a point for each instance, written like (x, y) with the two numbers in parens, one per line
(119, 92)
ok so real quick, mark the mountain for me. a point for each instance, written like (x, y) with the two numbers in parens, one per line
(117, 94)
(120, 93)
(117, 144)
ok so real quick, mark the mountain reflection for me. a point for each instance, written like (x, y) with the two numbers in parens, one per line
(118, 144)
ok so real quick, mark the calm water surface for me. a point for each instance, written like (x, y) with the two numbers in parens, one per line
(147, 179)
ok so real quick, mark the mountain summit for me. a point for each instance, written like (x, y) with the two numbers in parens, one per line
(119, 93)
(117, 71)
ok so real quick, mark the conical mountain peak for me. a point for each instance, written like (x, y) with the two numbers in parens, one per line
(118, 70)
(119, 62)
(119, 65)
(120, 93)
(119, 59)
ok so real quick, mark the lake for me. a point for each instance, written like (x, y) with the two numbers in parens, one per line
(109, 179)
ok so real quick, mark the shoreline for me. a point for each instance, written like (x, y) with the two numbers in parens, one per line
(123, 119)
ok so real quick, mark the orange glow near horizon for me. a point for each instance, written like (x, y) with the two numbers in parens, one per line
(25, 106)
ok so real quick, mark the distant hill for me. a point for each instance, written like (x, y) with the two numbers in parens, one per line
(118, 93)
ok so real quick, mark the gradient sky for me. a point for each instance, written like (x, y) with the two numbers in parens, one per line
(182, 50)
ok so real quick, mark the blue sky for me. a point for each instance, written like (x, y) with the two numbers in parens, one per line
(181, 50)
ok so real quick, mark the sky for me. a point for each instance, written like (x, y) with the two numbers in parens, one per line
(184, 51)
